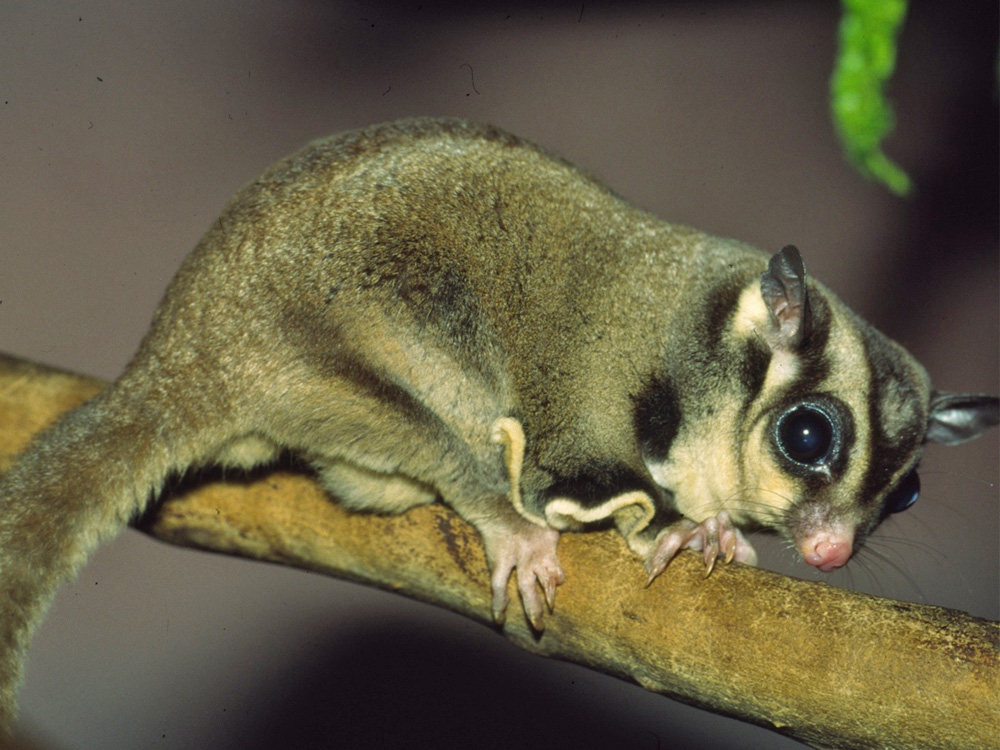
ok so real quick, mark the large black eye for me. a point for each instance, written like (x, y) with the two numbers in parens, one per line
(904, 495)
(805, 435)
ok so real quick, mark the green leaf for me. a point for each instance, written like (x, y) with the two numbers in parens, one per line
(866, 59)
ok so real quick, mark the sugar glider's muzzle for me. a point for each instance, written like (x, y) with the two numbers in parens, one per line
(827, 549)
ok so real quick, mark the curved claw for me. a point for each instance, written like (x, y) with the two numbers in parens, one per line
(531, 557)
(669, 544)
(549, 589)
(729, 548)
(715, 537)
(728, 536)
(500, 600)
(710, 543)
(711, 555)
(531, 599)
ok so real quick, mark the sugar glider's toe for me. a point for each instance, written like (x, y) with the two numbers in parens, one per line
(715, 537)
(734, 544)
(532, 556)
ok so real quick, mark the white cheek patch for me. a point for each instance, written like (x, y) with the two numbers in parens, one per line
(768, 492)
(658, 470)
(701, 471)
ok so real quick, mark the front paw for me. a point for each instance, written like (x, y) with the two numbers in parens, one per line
(715, 536)
(531, 553)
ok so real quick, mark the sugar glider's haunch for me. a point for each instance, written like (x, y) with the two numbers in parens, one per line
(433, 309)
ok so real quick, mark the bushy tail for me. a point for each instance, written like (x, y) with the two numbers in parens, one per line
(76, 485)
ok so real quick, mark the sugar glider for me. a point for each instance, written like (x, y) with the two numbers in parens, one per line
(438, 310)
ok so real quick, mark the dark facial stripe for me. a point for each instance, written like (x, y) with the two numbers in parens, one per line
(814, 363)
(887, 453)
(753, 370)
(718, 316)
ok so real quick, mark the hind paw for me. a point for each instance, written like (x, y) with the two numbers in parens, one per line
(531, 556)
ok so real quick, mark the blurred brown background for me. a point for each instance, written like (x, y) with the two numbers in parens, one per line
(124, 127)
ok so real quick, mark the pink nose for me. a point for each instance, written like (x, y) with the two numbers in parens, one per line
(827, 551)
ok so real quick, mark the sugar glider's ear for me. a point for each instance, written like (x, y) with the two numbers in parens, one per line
(957, 417)
(783, 287)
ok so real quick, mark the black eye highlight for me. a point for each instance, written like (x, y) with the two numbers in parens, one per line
(812, 436)
(904, 494)
(805, 435)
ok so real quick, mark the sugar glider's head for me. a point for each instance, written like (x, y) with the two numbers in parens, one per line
(826, 425)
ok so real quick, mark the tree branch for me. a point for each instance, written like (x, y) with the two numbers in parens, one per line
(832, 668)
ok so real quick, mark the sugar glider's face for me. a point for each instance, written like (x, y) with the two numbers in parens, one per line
(826, 464)
(820, 443)
(843, 435)
(807, 420)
